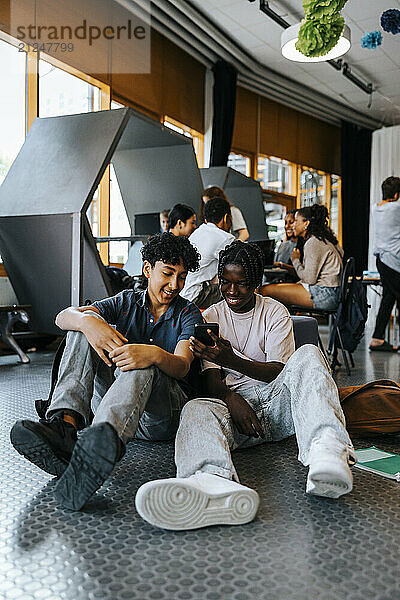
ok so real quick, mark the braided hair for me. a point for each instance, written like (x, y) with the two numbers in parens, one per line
(318, 216)
(249, 256)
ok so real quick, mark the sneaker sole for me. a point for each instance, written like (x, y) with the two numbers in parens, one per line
(177, 506)
(92, 462)
(27, 443)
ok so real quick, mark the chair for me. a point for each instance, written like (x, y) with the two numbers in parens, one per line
(348, 272)
(305, 331)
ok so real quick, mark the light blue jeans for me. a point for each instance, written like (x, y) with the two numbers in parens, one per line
(142, 403)
(302, 400)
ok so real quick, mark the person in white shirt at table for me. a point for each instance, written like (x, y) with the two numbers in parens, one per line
(209, 239)
(238, 227)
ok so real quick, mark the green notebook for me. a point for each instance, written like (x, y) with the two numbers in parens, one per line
(379, 462)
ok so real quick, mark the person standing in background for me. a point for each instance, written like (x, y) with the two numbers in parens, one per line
(239, 227)
(387, 252)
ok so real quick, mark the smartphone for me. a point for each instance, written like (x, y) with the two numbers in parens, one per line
(200, 332)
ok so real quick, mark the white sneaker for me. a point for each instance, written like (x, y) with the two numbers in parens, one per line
(329, 473)
(197, 501)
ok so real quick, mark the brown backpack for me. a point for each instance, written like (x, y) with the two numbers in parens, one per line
(372, 408)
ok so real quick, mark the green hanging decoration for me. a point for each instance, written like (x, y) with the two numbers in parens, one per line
(317, 38)
(322, 27)
(317, 9)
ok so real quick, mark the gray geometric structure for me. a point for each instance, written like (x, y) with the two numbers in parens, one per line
(243, 192)
(45, 238)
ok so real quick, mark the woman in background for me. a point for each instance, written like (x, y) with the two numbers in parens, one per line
(182, 220)
(282, 256)
(321, 269)
(239, 227)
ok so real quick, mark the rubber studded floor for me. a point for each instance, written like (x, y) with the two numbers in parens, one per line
(299, 547)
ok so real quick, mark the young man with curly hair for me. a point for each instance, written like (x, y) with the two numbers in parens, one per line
(127, 359)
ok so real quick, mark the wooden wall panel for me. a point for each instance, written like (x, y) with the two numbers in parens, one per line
(183, 87)
(269, 127)
(245, 128)
(144, 90)
(286, 133)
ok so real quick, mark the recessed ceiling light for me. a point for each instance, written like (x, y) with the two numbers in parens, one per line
(290, 36)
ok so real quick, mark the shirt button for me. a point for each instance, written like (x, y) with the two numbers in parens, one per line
(151, 320)
(151, 339)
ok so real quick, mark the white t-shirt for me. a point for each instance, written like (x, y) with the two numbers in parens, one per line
(209, 241)
(265, 335)
(238, 221)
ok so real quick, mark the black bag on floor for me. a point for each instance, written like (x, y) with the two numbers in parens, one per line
(351, 314)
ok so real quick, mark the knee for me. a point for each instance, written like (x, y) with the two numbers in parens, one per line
(147, 373)
(200, 407)
(306, 354)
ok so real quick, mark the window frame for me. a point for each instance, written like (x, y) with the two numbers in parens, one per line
(196, 136)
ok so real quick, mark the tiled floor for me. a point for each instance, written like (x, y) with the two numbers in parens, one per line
(298, 548)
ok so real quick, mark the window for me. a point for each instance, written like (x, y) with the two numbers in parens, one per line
(312, 187)
(240, 163)
(119, 224)
(12, 104)
(275, 174)
(61, 93)
(197, 138)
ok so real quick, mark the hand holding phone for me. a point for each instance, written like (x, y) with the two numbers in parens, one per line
(201, 334)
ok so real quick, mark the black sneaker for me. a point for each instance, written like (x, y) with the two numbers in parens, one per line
(95, 455)
(47, 443)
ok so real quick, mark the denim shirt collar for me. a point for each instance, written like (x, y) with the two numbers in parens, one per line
(169, 313)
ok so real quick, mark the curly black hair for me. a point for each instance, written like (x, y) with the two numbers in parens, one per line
(171, 249)
(249, 256)
(318, 216)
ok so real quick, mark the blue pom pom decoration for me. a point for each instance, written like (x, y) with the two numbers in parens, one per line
(371, 40)
(390, 20)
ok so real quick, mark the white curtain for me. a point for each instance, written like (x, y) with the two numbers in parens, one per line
(385, 162)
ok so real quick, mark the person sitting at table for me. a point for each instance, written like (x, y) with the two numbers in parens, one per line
(282, 255)
(321, 269)
(182, 220)
(164, 220)
(387, 252)
(201, 288)
(239, 227)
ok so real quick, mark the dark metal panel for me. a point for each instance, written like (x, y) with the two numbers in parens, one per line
(95, 283)
(152, 179)
(243, 192)
(61, 163)
(36, 251)
(143, 132)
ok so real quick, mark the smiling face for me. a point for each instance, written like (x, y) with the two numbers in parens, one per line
(234, 289)
(300, 225)
(165, 281)
(289, 220)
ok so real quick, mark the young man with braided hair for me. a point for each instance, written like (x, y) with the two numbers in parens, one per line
(260, 390)
(132, 350)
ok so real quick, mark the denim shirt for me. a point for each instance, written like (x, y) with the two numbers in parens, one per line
(131, 317)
